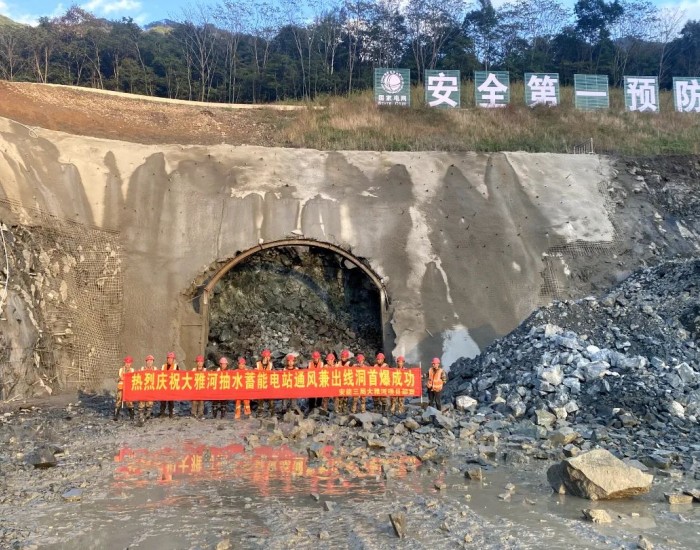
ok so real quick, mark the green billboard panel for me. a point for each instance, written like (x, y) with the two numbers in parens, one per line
(686, 94)
(442, 89)
(392, 87)
(642, 93)
(492, 88)
(541, 89)
(591, 91)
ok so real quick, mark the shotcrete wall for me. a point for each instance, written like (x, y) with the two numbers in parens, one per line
(459, 239)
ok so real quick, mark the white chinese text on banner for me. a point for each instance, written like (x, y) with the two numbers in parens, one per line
(442, 89)
(686, 94)
(642, 93)
(541, 89)
(591, 91)
(492, 88)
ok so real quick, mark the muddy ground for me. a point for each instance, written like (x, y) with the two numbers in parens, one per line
(294, 482)
(126, 118)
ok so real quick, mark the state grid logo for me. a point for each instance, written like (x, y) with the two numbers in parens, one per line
(392, 82)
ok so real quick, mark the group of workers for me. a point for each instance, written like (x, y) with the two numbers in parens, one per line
(436, 378)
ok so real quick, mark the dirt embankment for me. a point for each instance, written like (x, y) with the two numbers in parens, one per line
(138, 119)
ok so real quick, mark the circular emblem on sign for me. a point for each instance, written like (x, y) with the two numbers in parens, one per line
(392, 82)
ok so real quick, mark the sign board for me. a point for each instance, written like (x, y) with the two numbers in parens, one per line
(642, 93)
(261, 384)
(492, 88)
(686, 94)
(591, 91)
(392, 87)
(442, 89)
(541, 89)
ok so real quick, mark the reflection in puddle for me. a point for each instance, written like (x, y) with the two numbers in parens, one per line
(268, 469)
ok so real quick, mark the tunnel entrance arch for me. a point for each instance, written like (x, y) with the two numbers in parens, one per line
(346, 259)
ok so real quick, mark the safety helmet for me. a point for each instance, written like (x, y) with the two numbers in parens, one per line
(150, 358)
(266, 353)
(199, 359)
(330, 356)
(400, 359)
(316, 355)
(436, 361)
(380, 356)
(128, 359)
(223, 361)
(291, 357)
(171, 355)
(345, 354)
(359, 357)
(241, 360)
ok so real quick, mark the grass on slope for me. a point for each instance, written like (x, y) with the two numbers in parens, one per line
(355, 122)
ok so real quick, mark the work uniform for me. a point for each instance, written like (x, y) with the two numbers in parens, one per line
(359, 399)
(290, 365)
(437, 378)
(198, 406)
(146, 407)
(126, 367)
(380, 402)
(220, 406)
(397, 403)
(246, 402)
(315, 363)
(265, 364)
(341, 403)
(169, 365)
(330, 363)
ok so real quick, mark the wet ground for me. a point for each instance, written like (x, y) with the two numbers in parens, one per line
(184, 483)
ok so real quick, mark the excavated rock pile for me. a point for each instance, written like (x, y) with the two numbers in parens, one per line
(622, 371)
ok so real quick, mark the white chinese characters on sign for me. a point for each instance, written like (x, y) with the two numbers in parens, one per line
(543, 90)
(440, 88)
(687, 94)
(492, 91)
(642, 94)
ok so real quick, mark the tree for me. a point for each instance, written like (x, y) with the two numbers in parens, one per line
(482, 25)
(665, 29)
(11, 59)
(198, 38)
(430, 24)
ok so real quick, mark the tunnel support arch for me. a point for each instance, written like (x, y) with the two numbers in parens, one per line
(238, 258)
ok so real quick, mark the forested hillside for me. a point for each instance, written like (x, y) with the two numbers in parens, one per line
(240, 51)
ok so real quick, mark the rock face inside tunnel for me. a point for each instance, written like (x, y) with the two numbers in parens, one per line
(294, 300)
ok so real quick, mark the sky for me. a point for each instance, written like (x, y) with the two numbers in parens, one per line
(146, 11)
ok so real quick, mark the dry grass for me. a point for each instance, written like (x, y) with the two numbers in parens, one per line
(355, 122)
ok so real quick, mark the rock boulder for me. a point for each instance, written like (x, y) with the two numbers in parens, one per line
(598, 475)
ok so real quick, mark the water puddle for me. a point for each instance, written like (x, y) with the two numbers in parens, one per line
(196, 495)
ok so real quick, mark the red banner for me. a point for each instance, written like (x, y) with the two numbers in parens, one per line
(277, 384)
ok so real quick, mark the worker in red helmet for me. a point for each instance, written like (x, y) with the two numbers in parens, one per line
(290, 365)
(242, 365)
(220, 407)
(341, 403)
(315, 363)
(127, 366)
(170, 365)
(397, 403)
(265, 363)
(359, 399)
(437, 377)
(329, 364)
(199, 374)
(380, 402)
(146, 407)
